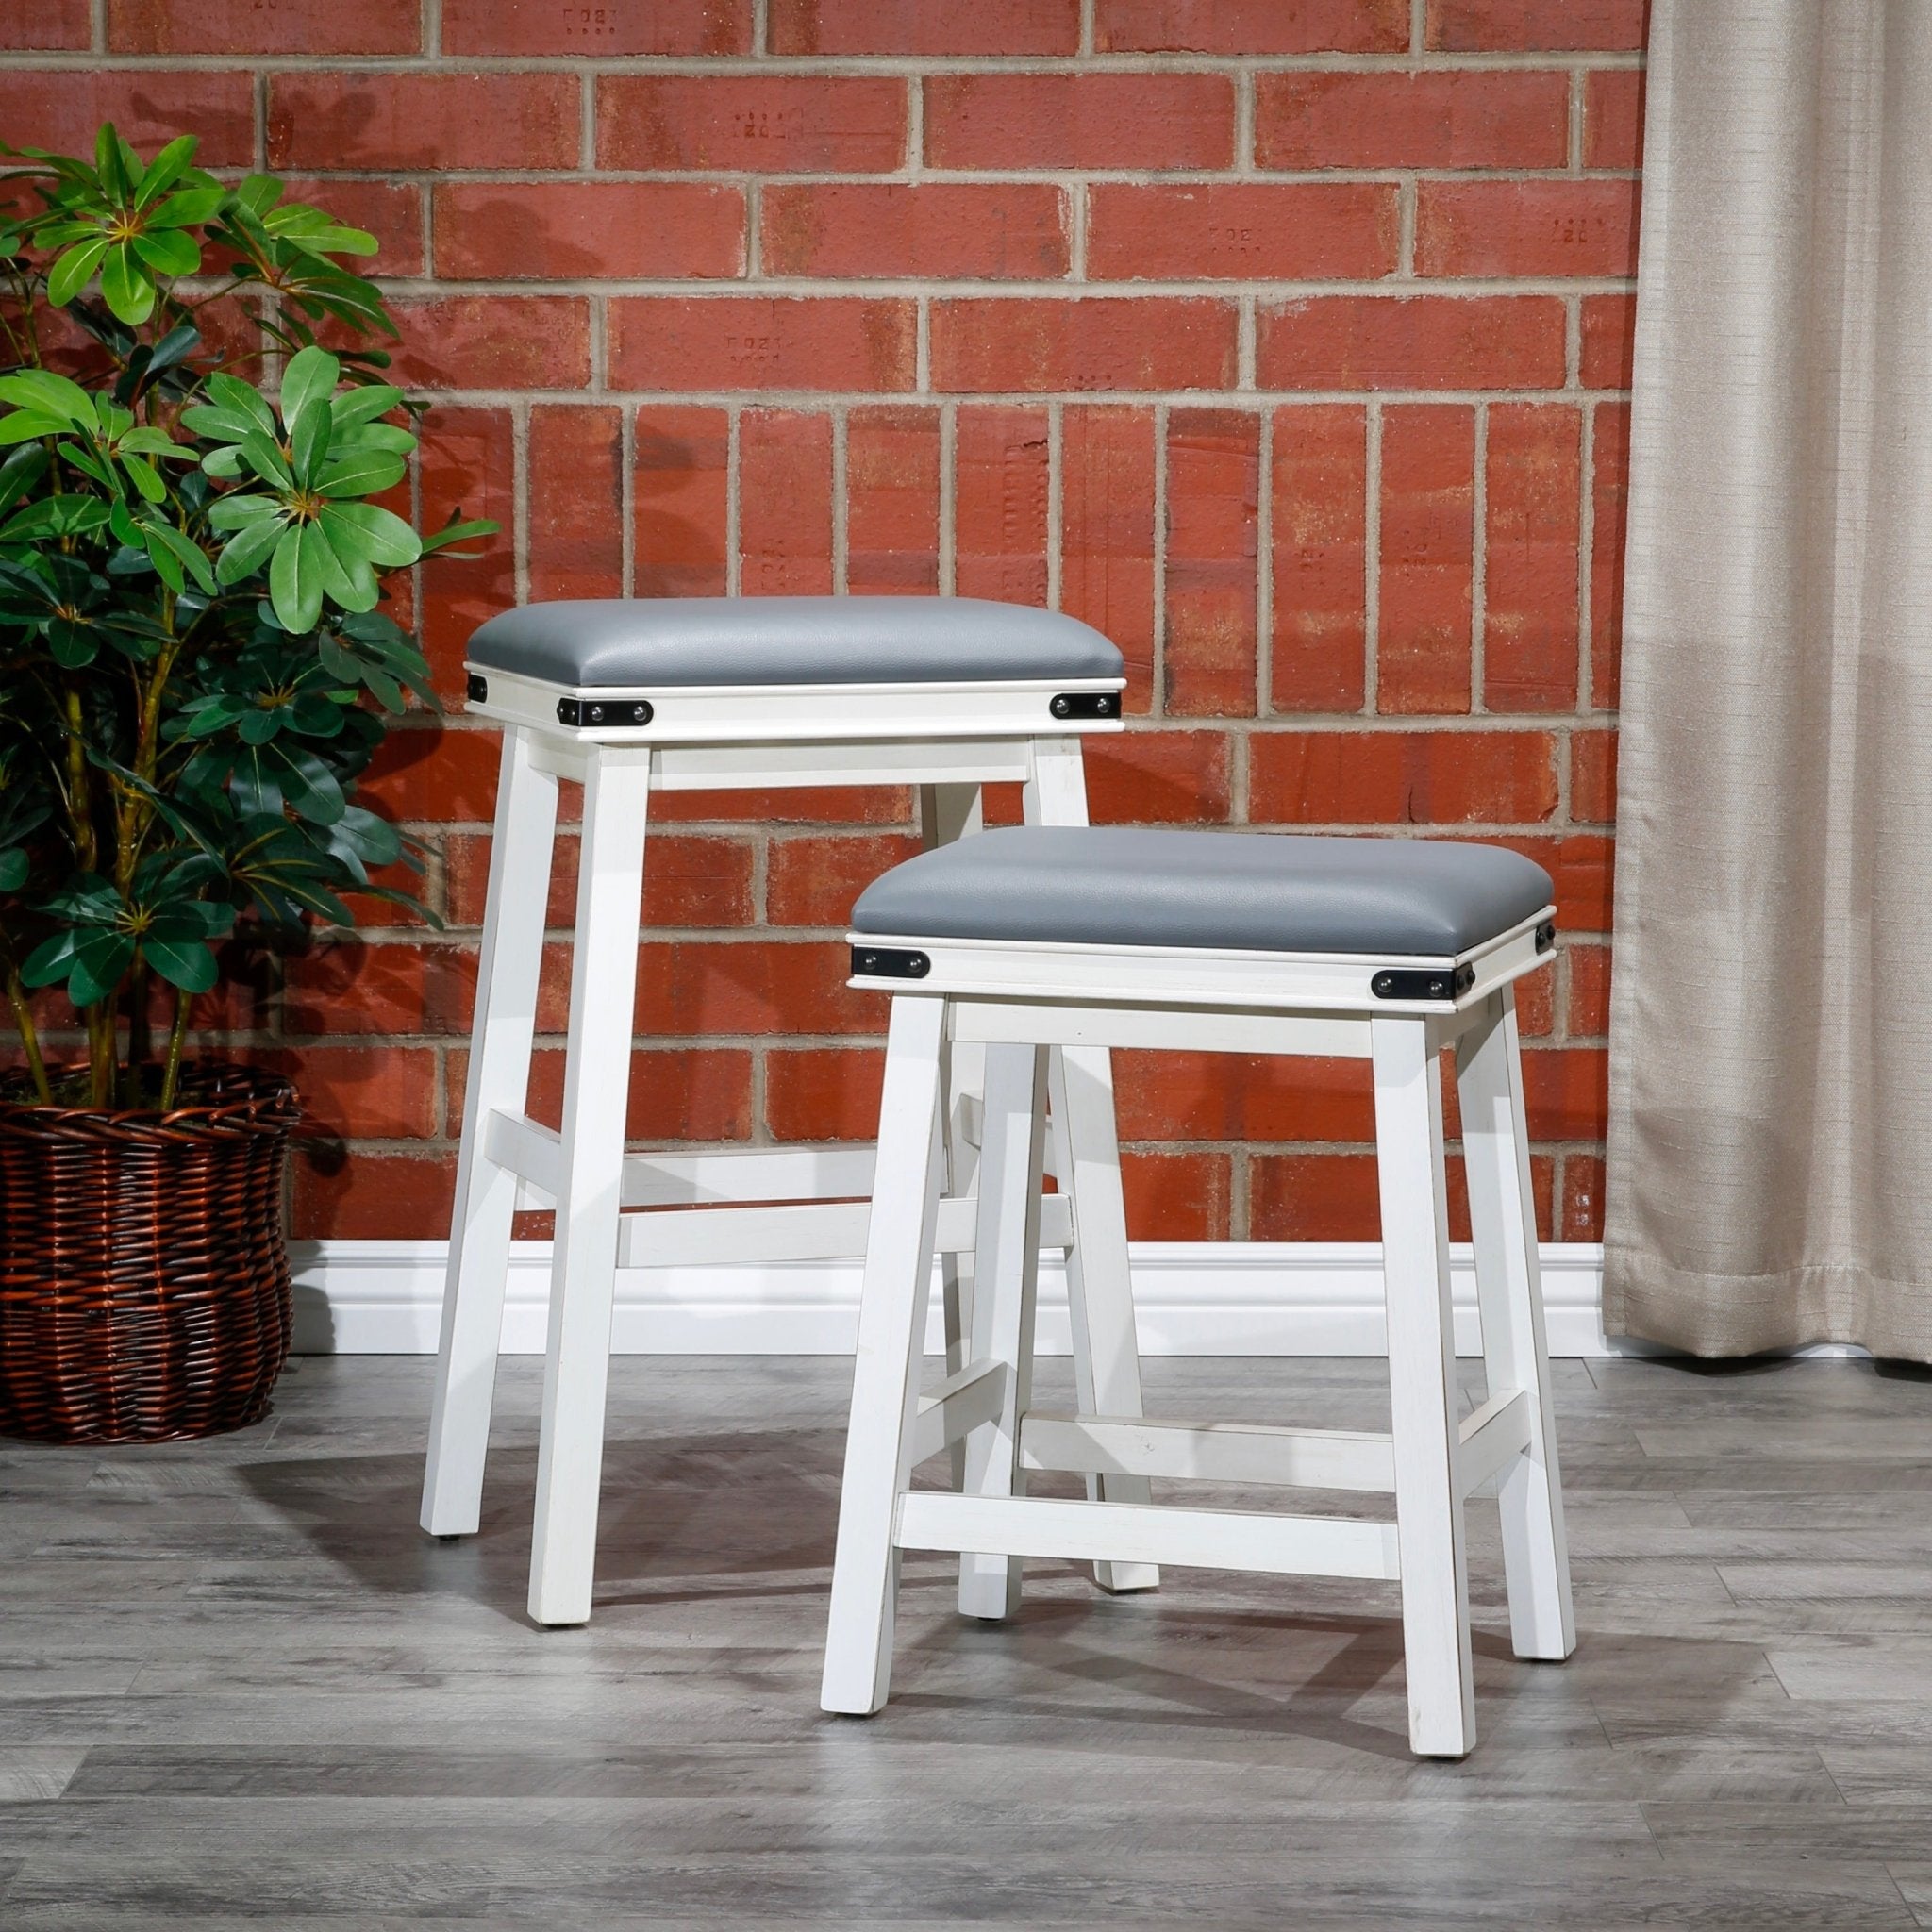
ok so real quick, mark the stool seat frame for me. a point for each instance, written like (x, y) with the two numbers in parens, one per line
(810, 1201)
(1022, 1001)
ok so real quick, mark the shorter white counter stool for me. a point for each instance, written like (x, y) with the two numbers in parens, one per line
(715, 695)
(1032, 938)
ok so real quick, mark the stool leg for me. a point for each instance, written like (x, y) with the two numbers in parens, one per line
(947, 812)
(1087, 1162)
(1502, 1213)
(1422, 1388)
(512, 957)
(596, 1084)
(1006, 1245)
(884, 1380)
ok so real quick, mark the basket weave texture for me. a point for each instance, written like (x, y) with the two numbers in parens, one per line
(145, 1290)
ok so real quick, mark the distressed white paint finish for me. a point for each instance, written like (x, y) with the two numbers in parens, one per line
(1218, 1452)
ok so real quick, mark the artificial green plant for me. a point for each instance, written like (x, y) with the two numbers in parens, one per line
(194, 669)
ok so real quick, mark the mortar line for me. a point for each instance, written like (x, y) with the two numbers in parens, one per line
(841, 508)
(1157, 697)
(1479, 566)
(1372, 562)
(1055, 498)
(734, 472)
(1586, 567)
(949, 499)
(1264, 569)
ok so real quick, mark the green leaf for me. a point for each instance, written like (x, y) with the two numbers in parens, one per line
(362, 475)
(295, 578)
(13, 870)
(100, 963)
(49, 960)
(193, 968)
(309, 439)
(168, 252)
(384, 537)
(259, 192)
(240, 507)
(154, 442)
(222, 464)
(145, 478)
(366, 403)
(171, 539)
(74, 644)
(228, 425)
(455, 532)
(188, 210)
(124, 285)
(52, 395)
(346, 577)
(75, 268)
(55, 516)
(266, 459)
(244, 399)
(25, 424)
(110, 163)
(20, 473)
(165, 170)
(246, 552)
(312, 373)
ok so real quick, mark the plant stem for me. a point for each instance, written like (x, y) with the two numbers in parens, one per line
(177, 1036)
(29, 1037)
(100, 1053)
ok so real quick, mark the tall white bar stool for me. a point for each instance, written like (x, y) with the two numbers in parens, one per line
(1025, 940)
(690, 694)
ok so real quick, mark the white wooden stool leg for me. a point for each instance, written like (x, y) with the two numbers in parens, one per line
(1421, 1386)
(1008, 1247)
(1087, 1162)
(1502, 1214)
(510, 959)
(947, 812)
(884, 1380)
(596, 1084)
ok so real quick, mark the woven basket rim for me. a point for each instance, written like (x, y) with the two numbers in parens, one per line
(259, 1099)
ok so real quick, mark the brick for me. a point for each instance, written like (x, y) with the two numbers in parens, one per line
(676, 1093)
(1583, 865)
(762, 124)
(785, 504)
(1090, 120)
(577, 503)
(349, 987)
(1517, 26)
(1536, 1005)
(1534, 482)
(361, 1093)
(468, 469)
(680, 487)
(1240, 230)
(1051, 343)
(752, 986)
(787, 805)
(1313, 1197)
(356, 1193)
(1418, 342)
(814, 880)
(1588, 968)
(1317, 527)
(1000, 504)
(420, 773)
(691, 879)
(587, 230)
(1428, 536)
(62, 110)
(993, 231)
(492, 341)
(1251, 27)
(824, 1093)
(1213, 1096)
(1609, 328)
(892, 502)
(430, 121)
(391, 210)
(1160, 778)
(601, 29)
(1574, 227)
(1402, 777)
(1176, 1197)
(1583, 1198)
(45, 25)
(1565, 1093)
(1613, 118)
(1593, 777)
(1107, 532)
(1476, 118)
(761, 342)
(1008, 27)
(1214, 490)
(262, 26)
(1609, 490)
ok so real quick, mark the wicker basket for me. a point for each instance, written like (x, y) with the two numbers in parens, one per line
(143, 1284)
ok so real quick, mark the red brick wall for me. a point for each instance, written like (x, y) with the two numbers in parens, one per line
(1283, 339)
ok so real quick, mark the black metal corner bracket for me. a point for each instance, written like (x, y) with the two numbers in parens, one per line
(1427, 983)
(1086, 703)
(1546, 936)
(478, 690)
(889, 962)
(581, 712)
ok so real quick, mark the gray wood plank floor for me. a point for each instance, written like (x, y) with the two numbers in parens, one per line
(237, 1687)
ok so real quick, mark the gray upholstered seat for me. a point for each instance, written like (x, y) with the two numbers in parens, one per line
(701, 640)
(1255, 892)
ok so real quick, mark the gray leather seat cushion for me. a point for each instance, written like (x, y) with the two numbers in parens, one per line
(695, 640)
(1259, 892)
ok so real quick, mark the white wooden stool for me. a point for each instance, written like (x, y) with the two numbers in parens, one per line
(686, 695)
(1025, 940)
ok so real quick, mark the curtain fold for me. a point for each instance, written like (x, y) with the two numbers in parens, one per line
(1770, 1178)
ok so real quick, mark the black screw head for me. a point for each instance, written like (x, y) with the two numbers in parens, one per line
(1061, 707)
(594, 713)
(1383, 985)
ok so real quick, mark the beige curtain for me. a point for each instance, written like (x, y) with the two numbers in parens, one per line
(1771, 1033)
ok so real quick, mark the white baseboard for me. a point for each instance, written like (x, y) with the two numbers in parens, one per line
(1212, 1298)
